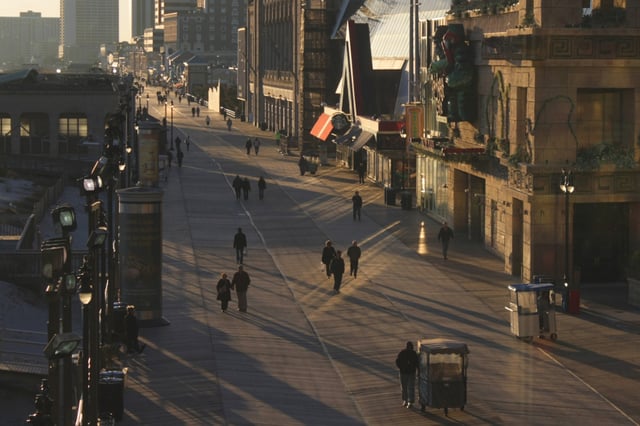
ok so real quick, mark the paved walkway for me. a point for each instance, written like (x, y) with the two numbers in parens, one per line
(304, 356)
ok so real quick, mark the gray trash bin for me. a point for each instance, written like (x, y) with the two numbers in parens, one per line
(390, 196)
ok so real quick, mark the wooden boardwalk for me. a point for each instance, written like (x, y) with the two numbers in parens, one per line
(304, 356)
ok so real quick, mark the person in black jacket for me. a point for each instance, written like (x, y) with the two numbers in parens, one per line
(337, 269)
(240, 243)
(407, 363)
(353, 253)
(328, 253)
(237, 186)
(131, 330)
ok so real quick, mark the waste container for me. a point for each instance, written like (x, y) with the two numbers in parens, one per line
(406, 200)
(532, 311)
(390, 196)
(111, 393)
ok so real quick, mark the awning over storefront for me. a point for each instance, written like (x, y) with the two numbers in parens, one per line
(361, 140)
(323, 127)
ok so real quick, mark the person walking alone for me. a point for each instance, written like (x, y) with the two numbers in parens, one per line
(444, 235)
(337, 269)
(262, 185)
(248, 145)
(407, 363)
(240, 244)
(256, 145)
(131, 330)
(246, 187)
(353, 253)
(240, 282)
(357, 205)
(224, 292)
(328, 253)
(237, 186)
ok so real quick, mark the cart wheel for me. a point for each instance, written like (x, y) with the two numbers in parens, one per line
(554, 336)
(446, 411)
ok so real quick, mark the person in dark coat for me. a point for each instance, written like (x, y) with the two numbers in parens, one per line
(224, 292)
(353, 253)
(240, 282)
(362, 170)
(248, 145)
(237, 186)
(246, 187)
(407, 363)
(256, 145)
(180, 158)
(337, 269)
(239, 243)
(328, 253)
(131, 330)
(357, 205)
(444, 235)
(262, 185)
(302, 164)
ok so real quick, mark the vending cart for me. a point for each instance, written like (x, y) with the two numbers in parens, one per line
(443, 374)
(532, 311)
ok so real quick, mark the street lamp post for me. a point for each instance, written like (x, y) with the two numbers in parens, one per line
(571, 301)
(172, 125)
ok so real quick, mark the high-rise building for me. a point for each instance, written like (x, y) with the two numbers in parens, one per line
(86, 25)
(142, 12)
(28, 39)
(163, 7)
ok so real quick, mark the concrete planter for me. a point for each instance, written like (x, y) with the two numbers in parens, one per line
(634, 291)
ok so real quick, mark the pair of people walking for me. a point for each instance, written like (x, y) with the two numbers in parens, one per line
(255, 144)
(241, 187)
(240, 283)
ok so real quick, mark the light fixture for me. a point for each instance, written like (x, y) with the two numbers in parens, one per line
(98, 237)
(99, 167)
(61, 345)
(54, 255)
(85, 292)
(90, 184)
(69, 282)
(65, 216)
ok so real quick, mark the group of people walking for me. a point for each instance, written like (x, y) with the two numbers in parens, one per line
(334, 263)
(252, 144)
(242, 187)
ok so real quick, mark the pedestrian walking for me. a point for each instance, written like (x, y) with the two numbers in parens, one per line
(444, 235)
(240, 244)
(180, 158)
(224, 114)
(132, 330)
(246, 187)
(303, 165)
(224, 292)
(207, 120)
(241, 281)
(248, 145)
(357, 205)
(193, 111)
(407, 363)
(328, 253)
(237, 186)
(256, 145)
(229, 123)
(337, 269)
(198, 111)
(177, 142)
(169, 158)
(354, 253)
(187, 142)
(262, 185)
(362, 170)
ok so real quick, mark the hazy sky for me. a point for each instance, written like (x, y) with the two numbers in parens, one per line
(51, 8)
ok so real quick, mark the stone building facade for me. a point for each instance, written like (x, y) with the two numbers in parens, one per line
(555, 90)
